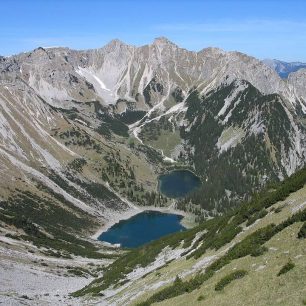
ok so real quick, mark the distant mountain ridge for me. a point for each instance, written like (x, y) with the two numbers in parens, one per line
(284, 68)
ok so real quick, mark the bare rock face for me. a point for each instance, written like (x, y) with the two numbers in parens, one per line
(297, 81)
(119, 71)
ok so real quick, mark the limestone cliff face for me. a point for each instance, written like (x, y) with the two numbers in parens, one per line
(297, 82)
(119, 71)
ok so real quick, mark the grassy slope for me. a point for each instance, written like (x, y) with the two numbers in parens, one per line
(165, 142)
(221, 235)
(261, 286)
(288, 206)
(127, 169)
(161, 135)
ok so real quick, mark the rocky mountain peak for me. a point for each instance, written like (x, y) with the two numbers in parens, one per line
(115, 44)
(212, 51)
(163, 41)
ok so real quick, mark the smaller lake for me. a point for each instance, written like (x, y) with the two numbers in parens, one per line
(142, 228)
(178, 183)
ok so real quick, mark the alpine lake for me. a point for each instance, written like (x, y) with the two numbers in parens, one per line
(150, 225)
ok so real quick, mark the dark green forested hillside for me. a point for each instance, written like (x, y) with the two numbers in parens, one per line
(260, 129)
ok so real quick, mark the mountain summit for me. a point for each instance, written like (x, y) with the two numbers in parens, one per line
(163, 41)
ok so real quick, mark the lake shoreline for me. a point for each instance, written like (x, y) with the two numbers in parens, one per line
(185, 221)
(177, 183)
(186, 185)
(174, 168)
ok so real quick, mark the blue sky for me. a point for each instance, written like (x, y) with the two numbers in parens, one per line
(262, 28)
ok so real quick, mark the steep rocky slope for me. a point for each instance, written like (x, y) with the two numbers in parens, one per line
(297, 82)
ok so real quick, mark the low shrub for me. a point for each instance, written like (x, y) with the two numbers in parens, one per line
(287, 267)
(200, 298)
(302, 232)
(229, 278)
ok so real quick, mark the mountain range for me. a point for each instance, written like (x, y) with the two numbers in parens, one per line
(85, 134)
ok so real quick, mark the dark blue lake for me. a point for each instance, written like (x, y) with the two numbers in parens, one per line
(142, 228)
(178, 183)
